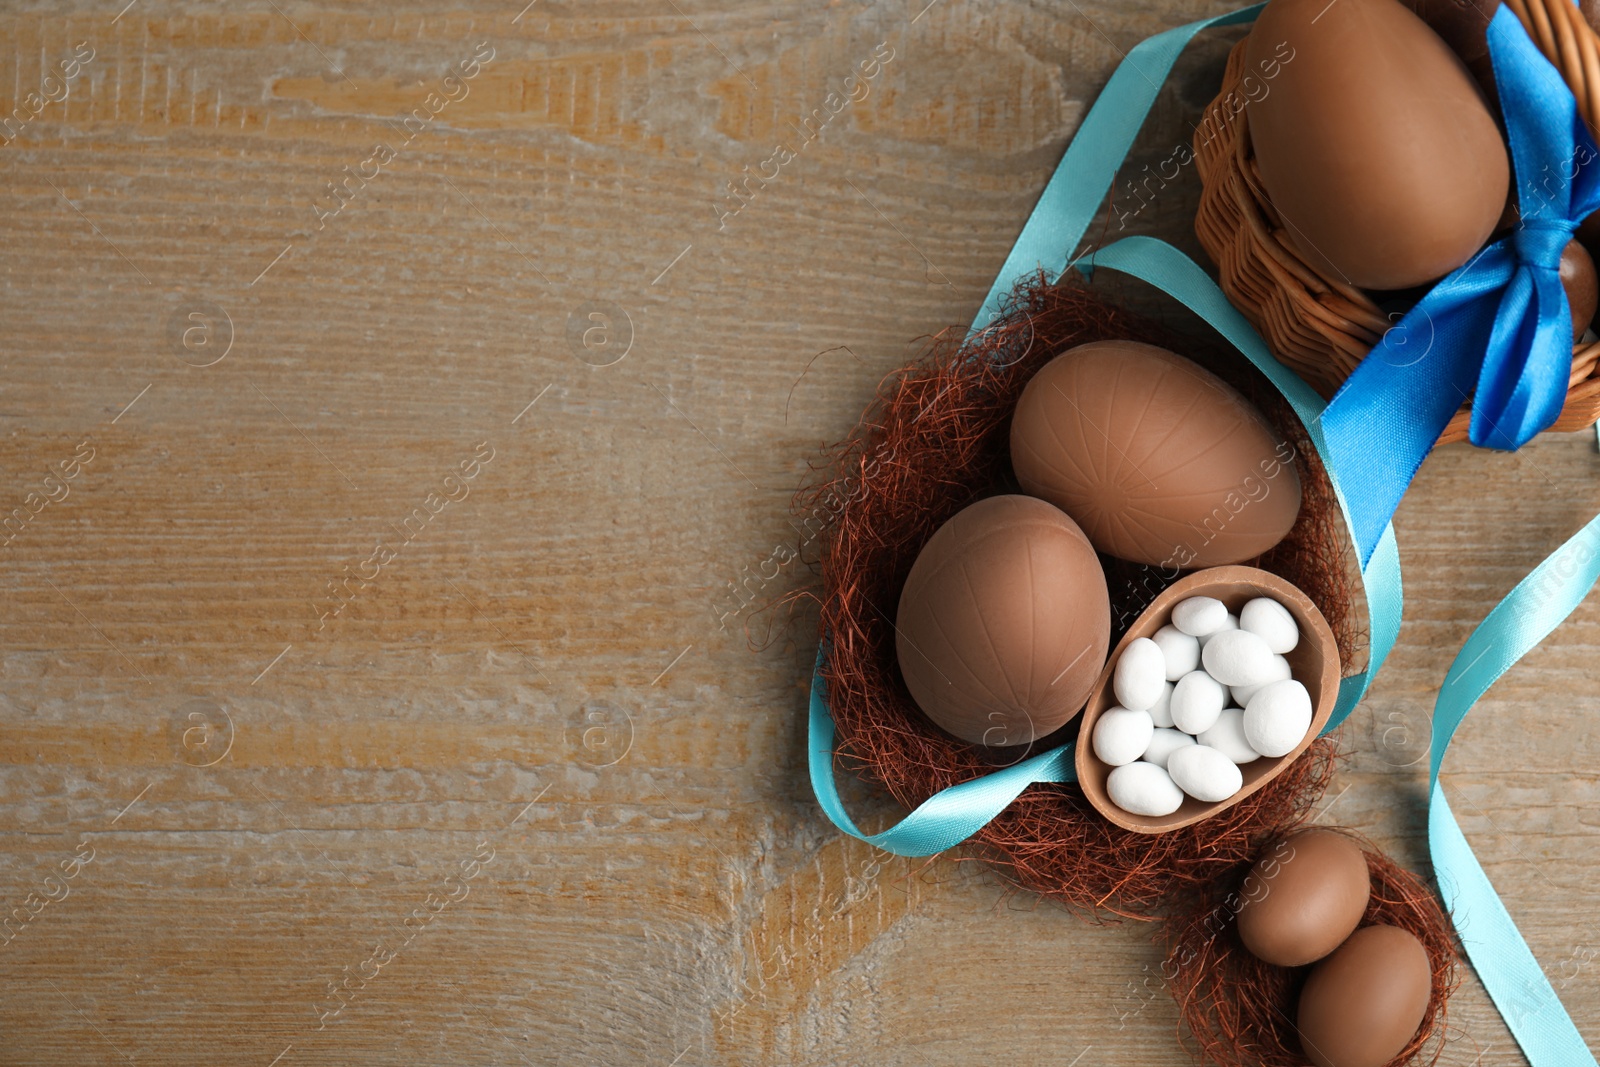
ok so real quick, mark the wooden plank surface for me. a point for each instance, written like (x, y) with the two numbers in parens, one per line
(354, 758)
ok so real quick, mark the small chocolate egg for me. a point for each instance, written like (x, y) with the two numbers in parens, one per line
(1004, 622)
(1303, 897)
(1588, 234)
(1363, 1004)
(1375, 146)
(1160, 461)
(1583, 288)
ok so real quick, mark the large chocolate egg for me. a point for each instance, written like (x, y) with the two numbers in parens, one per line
(1303, 897)
(1462, 26)
(1363, 1004)
(1004, 621)
(1160, 461)
(1373, 141)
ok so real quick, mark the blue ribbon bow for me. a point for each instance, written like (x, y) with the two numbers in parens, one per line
(1513, 355)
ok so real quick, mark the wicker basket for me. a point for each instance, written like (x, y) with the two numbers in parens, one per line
(1322, 327)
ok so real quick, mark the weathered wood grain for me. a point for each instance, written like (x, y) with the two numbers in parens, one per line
(547, 669)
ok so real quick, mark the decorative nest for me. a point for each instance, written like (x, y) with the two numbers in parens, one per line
(935, 440)
(1320, 326)
(1240, 1011)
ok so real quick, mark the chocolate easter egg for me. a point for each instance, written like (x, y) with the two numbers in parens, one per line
(1462, 26)
(1588, 233)
(1464, 29)
(1303, 897)
(1003, 622)
(1375, 145)
(1363, 1004)
(1159, 460)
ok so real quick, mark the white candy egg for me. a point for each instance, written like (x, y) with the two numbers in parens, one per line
(1238, 657)
(1243, 693)
(1180, 651)
(1277, 718)
(1143, 789)
(1140, 673)
(1227, 736)
(1161, 710)
(1204, 773)
(1121, 735)
(1270, 621)
(1199, 616)
(1164, 743)
(1197, 700)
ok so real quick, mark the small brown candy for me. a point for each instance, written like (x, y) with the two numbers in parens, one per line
(1583, 288)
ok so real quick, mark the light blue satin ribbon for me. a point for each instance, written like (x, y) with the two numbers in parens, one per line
(1534, 608)
(1507, 967)
(945, 819)
(1498, 328)
(1071, 198)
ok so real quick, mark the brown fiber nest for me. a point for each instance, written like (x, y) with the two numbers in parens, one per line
(1240, 1011)
(936, 439)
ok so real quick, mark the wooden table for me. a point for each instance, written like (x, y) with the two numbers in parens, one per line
(372, 689)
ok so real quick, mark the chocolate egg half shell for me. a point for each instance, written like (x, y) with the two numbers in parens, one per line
(1159, 460)
(1362, 1005)
(1303, 897)
(1375, 146)
(1003, 622)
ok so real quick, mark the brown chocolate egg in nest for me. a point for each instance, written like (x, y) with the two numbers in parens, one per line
(934, 440)
(1239, 1011)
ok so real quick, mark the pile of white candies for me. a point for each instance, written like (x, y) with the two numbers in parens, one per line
(1208, 692)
